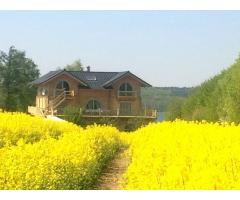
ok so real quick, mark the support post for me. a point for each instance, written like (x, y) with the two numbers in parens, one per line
(80, 111)
(145, 111)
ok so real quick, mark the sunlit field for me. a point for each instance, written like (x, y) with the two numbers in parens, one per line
(37, 153)
(182, 155)
(41, 154)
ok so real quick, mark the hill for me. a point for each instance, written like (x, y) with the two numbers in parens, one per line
(216, 99)
(160, 97)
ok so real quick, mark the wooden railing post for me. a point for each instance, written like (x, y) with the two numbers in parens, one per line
(118, 112)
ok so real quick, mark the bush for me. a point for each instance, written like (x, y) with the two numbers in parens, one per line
(73, 114)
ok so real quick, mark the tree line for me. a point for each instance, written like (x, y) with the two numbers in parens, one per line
(16, 74)
(159, 97)
(217, 99)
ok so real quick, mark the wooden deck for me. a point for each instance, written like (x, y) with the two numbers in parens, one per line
(117, 116)
(146, 113)
(52, 109)
(153, 116)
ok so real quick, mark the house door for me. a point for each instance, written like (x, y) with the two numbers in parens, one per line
(125, 108)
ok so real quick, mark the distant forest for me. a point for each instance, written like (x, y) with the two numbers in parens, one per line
(159, 97)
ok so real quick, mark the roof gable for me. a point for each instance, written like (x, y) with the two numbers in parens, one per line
(124, 74)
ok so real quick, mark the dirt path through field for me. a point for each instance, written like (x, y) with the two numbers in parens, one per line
(112, 175)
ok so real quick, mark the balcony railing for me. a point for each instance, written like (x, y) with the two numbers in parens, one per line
(127, 95)
(145, 113)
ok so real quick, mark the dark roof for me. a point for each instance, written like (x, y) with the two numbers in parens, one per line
(118, 75)
(95, 80)
(101, 77)
(121, 74)
(46, 77)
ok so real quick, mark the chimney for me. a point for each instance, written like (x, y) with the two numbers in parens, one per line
(88, 68)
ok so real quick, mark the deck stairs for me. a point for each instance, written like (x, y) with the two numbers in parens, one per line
(54, 105)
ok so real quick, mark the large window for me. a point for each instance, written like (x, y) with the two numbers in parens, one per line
(63, 85)
(125, 90)
(93, 105)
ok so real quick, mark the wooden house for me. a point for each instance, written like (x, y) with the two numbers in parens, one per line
(114, 94)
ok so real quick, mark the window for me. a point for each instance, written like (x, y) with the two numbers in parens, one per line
(125, 87)
(63, 85)
(125, 90)
(93, 105)
(42, 91)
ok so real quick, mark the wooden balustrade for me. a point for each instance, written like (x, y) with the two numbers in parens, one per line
(116, 113)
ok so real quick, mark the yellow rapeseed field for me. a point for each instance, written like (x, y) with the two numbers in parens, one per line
(185, 155)
(15, 126)
(72, 160)
(36, 153)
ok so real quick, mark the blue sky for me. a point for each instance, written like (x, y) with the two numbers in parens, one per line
(165, 48)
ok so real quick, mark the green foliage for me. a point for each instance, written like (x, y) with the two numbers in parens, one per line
(72, 114)
(133, 124)
(16, 72)
(217, 99)
(159, 97)
(175, 108)
(75, 66)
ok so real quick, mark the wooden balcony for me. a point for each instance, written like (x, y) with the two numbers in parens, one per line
(127, 95)
(117, 114)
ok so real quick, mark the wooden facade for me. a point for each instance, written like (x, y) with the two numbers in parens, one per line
(121, 97)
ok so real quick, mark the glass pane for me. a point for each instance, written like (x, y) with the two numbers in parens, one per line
(63, 85)
(125, 87)
(96, 104)
(90, 105)
(59, 85)
(122, 87)
(93, 105)
(129, 87)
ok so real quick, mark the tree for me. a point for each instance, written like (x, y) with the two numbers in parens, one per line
(174, 109)
(75, 66)
(217, 99)
(16, 72)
